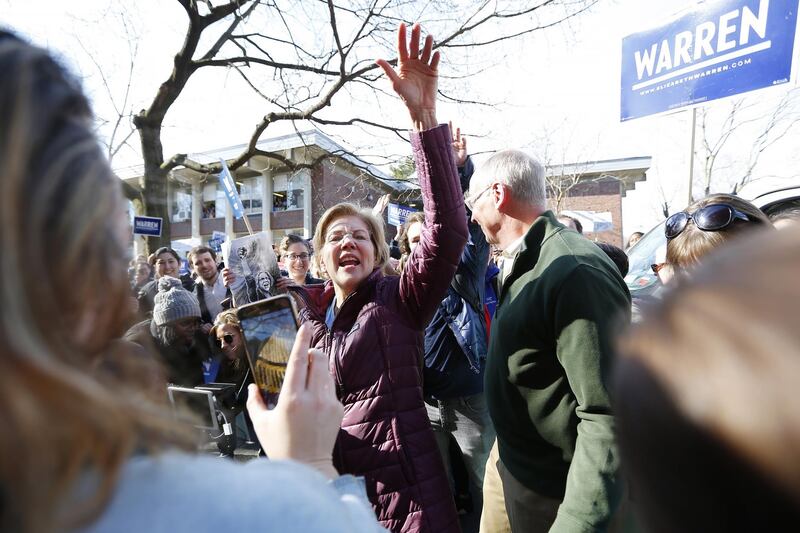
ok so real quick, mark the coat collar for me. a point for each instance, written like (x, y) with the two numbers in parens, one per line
(543, 228)
(319, 297)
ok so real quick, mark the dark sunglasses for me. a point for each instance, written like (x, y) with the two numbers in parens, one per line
(709, 218)
(225, 339)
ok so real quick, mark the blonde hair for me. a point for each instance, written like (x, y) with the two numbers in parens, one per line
(374, 225)
(725, 346)
(226, 317)
(63, 271)
(689, 246)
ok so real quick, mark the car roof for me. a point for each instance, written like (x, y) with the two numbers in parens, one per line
(766, 191)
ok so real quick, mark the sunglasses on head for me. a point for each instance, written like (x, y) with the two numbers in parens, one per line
(225, 339)
(709, 218)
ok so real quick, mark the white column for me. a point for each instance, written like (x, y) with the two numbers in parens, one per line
(266, 201)
(308, 228)
(197, 208)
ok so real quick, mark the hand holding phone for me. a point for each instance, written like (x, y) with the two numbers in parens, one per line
(269, 328)
(304, 423)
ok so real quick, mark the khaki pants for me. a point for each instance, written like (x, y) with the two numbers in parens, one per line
(508, 506)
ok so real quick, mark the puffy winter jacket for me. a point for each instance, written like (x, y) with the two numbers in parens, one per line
(375, 353)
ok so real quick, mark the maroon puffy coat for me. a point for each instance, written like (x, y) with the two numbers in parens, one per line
(375, 349)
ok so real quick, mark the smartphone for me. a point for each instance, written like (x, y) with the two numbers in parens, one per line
(269, 327)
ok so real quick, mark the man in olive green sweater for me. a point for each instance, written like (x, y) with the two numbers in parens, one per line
(554, 464)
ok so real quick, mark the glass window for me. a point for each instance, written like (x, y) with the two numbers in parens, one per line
(181, 202)
(287, 200)
(250, 193)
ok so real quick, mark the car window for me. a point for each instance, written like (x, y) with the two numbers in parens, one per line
(640, 256)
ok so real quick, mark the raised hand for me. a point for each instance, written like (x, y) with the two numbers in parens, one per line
(459, 146)
(416, 78)
(380, 205)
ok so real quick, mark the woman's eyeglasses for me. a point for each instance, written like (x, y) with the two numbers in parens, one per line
(294, 257)
(225, 339)
(709, 218)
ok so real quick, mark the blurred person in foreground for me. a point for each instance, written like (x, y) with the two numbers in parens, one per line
(92, 452)
(370, 325)
(705, 392)
(554, 464)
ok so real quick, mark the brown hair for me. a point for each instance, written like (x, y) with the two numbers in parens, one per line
(402, 240)
(198, 250)
(64, 289)
(374, 224)
(692, 243)
(291, 239)
(724, 350)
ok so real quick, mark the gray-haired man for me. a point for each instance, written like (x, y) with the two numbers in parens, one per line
(554, 463)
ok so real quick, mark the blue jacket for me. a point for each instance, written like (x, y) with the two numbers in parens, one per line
(461, 310)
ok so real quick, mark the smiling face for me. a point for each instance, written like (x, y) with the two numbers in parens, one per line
(348, 255)
(297, 260)
(167, 265)
(205, 266)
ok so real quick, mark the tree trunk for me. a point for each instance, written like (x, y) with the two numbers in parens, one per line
(154, 186)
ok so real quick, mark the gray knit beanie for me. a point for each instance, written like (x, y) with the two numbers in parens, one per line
(173, 302)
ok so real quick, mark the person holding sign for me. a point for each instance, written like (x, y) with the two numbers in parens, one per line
(370, 325)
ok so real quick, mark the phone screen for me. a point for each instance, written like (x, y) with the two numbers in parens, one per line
(269, 331)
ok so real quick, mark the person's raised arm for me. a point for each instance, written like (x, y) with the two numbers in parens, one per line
(416, 77)
(424, 280)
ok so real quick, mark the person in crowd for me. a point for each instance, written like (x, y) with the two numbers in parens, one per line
(705, 393)
(142, 276)
(231, 366)
(571, 222)
(87, 453)
(554, 463)
(708, 224)
(617, 256)
(132, 267)
(175, 332)
(296, 254)
(166, 262)
(788, 217)
(371, 325)
(209, 288)
(455, 346)
(633, 239)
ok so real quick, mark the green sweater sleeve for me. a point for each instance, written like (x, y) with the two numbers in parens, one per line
(589, 305)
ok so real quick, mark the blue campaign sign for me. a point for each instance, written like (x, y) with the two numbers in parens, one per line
(719, 49)
(147, 226)
(229, 186)
(397, 214)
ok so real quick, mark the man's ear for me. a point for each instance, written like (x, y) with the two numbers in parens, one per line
(501, 195)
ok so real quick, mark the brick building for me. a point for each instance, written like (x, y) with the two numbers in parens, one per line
(276, 199)
(592, 192)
